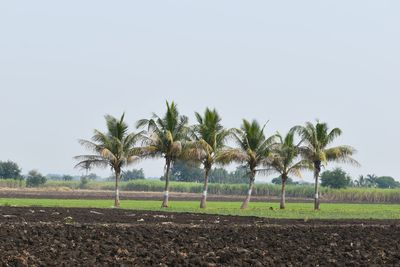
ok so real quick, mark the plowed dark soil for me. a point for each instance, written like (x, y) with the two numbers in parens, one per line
(109, 237)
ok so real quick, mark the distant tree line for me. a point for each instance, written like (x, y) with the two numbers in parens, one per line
(338, 178)
(133, 174)
(11, 170)
(183, 171)
(372, 180)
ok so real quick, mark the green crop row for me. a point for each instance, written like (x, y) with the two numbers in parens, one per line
(372, 195)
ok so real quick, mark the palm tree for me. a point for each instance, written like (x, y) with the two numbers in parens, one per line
(370, 180)
(363, 181)
(316, 140)
(115, 149)
(254, 150)
(165, 138)
(285, 161)
(209, 141)
(360, 181)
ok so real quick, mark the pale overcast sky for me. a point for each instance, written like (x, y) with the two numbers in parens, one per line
(64, 65)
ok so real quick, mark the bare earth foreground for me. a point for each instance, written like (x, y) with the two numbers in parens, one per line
(103, 237)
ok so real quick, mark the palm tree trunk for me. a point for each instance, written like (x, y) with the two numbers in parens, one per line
(166, 176)
(283, 193)
(317, 170)
(117, 177)
(203, 202)
(246, 201)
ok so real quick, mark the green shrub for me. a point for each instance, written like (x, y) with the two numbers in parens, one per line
(84, 182)
(35, 179)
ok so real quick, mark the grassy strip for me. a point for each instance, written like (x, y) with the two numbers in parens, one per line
(294, 210)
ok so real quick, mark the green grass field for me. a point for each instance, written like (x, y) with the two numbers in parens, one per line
(293, 211)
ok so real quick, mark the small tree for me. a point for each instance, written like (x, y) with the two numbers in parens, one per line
(10, 169)
(35, 179)
(337, 178)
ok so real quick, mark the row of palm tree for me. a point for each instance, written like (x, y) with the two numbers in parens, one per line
(369, 180)
(170, 137)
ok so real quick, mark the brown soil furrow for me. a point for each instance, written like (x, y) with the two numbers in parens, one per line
(104, 237)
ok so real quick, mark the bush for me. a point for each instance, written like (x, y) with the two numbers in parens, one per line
(35, 179)
(84, 182)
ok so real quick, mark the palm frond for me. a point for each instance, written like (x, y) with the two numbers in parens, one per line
(341, 154)
(115, 148)
(230, 155)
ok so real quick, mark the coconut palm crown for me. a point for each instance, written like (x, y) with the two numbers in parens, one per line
(114, 148)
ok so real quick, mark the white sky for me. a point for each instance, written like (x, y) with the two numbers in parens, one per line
(64, 65)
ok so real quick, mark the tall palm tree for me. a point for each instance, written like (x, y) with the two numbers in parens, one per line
(316, 140)
(254, 150)
(208, 144)
(285, 161)
(114, 148)
(165, 138)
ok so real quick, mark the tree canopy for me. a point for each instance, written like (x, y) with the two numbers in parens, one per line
(9, 169)
(35, 179)
(336, 178)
